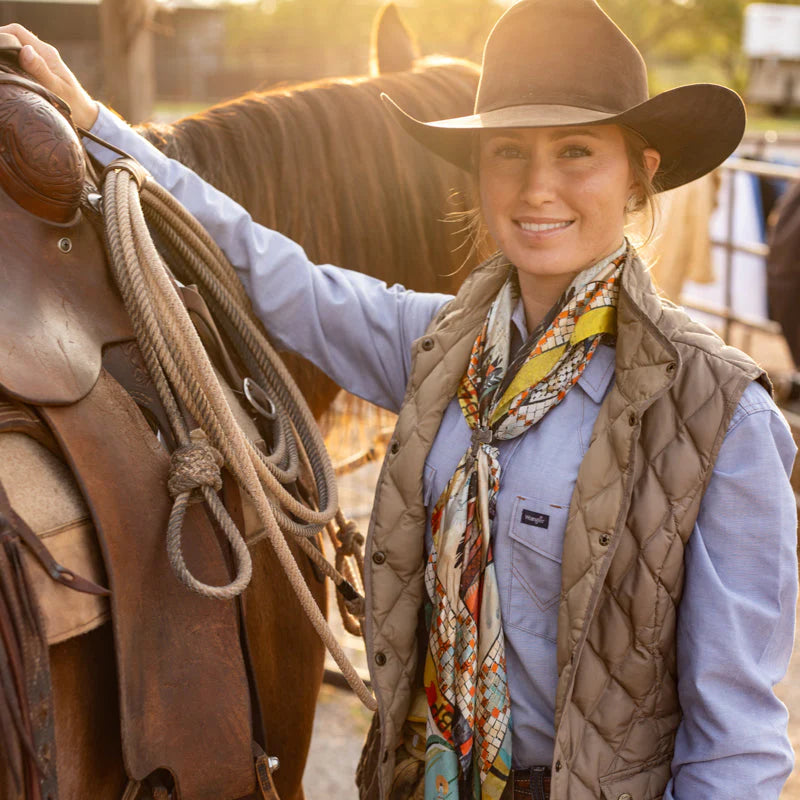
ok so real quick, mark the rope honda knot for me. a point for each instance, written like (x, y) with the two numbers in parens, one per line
(350, 538)
(357, 607)
(195, 465)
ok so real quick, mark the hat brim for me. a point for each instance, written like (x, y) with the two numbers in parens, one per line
(694, 128)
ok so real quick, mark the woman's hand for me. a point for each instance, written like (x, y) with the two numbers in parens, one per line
(43, 62)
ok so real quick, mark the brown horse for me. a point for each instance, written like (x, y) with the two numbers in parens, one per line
(363, 196)
(324, 164)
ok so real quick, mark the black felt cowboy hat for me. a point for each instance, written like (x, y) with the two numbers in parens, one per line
(564, 62)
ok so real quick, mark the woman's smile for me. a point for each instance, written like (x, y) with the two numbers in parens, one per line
(541, 227)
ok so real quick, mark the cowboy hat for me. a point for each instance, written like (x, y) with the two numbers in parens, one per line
(564, 62)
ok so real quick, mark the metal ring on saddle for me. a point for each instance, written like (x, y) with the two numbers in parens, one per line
(259, 399)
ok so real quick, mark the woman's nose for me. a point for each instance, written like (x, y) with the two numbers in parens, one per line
(539, 182)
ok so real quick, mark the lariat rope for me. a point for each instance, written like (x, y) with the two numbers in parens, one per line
(183, 375)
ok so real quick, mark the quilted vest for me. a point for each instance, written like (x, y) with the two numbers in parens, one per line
(637, 496)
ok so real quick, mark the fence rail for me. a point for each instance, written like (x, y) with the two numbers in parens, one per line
(761, 169)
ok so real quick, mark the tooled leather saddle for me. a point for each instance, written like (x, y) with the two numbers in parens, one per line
(73, 380)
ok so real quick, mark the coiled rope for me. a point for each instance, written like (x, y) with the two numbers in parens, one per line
(183, 375)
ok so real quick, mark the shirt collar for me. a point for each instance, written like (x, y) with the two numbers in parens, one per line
(599, 372)
(590, 273)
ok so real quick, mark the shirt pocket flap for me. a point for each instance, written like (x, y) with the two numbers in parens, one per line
(539, 525)
(646, 782)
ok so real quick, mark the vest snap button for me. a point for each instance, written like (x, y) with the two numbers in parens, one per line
(558, 766)
(604, 539)
(394, 447)
(632, 419)
(625, 796)
(427, 343)
(671, 367)
(380, 659)
(379, 557)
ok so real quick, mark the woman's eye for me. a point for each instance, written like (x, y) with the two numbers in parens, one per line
(576, 151)
(508, 151)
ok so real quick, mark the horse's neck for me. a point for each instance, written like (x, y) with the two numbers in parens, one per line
(325, 166)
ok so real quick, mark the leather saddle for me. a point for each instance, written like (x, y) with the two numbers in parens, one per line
(71, 377)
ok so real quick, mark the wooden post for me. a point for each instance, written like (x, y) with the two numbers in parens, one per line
(128, 57)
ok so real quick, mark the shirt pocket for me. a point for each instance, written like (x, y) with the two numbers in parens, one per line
(537, 534)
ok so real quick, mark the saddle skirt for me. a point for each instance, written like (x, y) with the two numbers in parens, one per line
(43, 491)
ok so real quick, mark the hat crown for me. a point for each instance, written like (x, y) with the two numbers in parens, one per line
(562, 53)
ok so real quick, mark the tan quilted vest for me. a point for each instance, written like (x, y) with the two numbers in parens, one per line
(636, 498)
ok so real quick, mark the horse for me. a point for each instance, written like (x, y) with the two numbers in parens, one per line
(310, 194)
(324, 164)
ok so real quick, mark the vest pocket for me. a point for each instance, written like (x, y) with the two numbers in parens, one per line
(537, 533)
(645, 782)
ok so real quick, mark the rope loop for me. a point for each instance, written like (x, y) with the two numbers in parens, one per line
(193, 466)
(185, 380)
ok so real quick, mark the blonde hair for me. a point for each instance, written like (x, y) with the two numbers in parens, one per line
(645, 203)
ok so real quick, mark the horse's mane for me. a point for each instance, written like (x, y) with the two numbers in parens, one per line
(325, 164)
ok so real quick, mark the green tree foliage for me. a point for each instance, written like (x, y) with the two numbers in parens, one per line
(687, 39)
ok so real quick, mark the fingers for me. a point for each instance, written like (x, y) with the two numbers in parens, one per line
(35, 53)
(43, 62)
(23, 34)
(37, 67)
(9, 40)
(35, 64)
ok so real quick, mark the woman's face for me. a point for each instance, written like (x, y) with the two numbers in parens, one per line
(554, 198)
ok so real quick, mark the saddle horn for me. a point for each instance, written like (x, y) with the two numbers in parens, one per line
(42, 166)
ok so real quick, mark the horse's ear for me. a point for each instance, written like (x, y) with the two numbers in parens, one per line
(393, 47)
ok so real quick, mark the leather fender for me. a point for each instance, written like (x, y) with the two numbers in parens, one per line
(58, 307)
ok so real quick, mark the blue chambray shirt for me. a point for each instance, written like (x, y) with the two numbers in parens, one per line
(736, 618)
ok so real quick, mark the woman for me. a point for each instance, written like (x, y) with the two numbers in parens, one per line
(582, 569)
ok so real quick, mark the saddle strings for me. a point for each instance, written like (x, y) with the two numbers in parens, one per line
(182, 373)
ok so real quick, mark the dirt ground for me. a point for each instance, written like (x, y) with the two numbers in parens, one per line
(341, 721)
(340, 726)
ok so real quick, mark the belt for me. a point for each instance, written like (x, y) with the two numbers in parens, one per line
(528, 784)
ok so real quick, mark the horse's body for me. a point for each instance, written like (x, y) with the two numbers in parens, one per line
(323, 164)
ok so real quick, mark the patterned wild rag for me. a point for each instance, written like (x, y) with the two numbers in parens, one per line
(468, 747)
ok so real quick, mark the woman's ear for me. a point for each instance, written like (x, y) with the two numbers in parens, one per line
(651, 159)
